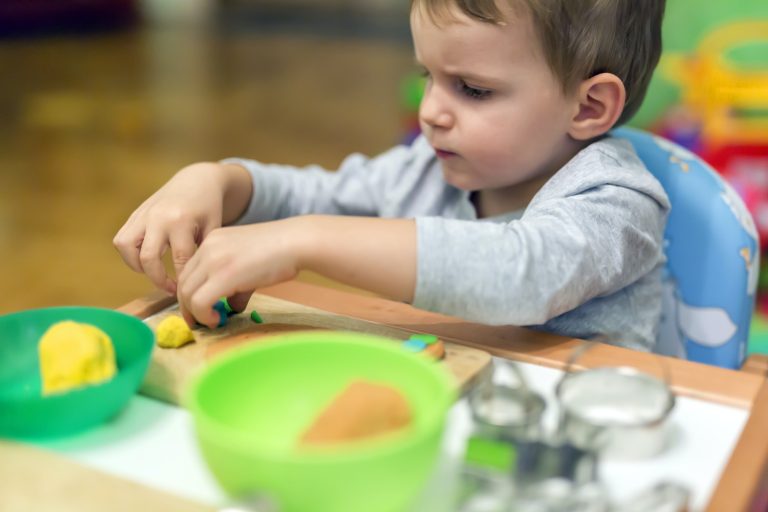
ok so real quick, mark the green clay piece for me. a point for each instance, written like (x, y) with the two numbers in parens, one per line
(490, 454)
(428, 339)
(256, 318)
(227, 307)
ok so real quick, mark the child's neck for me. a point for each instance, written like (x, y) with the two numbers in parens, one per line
(498, 201)
(495, 202)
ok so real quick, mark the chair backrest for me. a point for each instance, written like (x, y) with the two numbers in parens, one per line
(712, 254)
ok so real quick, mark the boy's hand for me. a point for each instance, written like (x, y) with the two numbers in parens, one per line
(375, 254)
(180, 215)
(234, 261)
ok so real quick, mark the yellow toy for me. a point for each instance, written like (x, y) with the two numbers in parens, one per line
(173, 332)
(73, 355)
(731, 98)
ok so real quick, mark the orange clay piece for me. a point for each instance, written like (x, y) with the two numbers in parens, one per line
(363, 410)
(431, 345)
(436, 350)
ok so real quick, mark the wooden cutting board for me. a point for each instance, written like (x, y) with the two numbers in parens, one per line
(171, 369)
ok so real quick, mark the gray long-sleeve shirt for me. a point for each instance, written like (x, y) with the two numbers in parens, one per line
(583, 259)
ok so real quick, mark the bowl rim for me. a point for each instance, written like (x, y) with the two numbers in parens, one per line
(238, 440)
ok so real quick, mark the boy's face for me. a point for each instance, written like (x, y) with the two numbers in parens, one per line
(492, 109)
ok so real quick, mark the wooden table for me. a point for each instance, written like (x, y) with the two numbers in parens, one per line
(746, 473)
(743, 481)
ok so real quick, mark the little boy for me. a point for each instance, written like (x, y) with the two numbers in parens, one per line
(515, 206)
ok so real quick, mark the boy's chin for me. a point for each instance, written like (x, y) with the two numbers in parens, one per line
(461, 181)
(460, 184)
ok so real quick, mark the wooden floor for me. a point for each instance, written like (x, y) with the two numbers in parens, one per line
(92, 124)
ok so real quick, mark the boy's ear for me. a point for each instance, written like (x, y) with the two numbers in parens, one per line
(600, 104)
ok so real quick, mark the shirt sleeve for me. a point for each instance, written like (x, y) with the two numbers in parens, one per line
(358, 187)
(560, 254)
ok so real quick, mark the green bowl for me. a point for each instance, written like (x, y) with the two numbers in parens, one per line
(252, 404)
(25, 412)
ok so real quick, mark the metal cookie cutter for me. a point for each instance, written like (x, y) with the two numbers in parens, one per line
(505, 412)
(561, 495)
(539, 461)
(665, 496)
(513, 415)
(503, 416)
(618, 412)
(508, 454)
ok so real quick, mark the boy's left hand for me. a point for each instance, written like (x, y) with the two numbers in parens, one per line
(234, 261)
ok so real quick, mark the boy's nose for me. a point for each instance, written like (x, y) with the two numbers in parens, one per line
(433, 110)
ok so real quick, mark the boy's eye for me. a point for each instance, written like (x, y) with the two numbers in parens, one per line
(474, 92)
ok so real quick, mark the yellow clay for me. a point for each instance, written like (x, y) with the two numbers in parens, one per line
(73, 355)
(173, 332)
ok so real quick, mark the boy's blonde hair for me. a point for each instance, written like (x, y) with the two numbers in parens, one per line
(582, 38)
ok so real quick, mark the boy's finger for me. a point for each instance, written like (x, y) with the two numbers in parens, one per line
(190, 280)
(128, 246)
(187, 315)
(150, 257)
(187, 287)
(183, 247)
(201, 305)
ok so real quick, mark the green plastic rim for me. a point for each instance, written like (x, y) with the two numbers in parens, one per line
(234, 438)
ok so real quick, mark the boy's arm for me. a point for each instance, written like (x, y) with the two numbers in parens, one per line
(561, 254)
(358, 187)
(237, 192)
(370, 253)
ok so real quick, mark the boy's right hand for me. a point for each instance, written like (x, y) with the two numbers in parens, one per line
(198, 199)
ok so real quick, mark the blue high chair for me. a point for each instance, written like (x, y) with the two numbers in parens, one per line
(712, 253)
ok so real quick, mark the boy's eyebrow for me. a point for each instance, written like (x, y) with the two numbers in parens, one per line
(486, 80)
(472, 77)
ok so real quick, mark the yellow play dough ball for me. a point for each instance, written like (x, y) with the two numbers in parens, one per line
(173, 332)
(73, 355)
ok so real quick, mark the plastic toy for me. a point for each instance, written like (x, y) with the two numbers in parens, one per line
(686, 23)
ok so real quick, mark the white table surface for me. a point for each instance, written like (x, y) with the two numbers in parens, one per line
(153, 443)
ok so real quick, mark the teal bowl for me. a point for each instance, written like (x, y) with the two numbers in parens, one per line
(251, 405)
(26, 413)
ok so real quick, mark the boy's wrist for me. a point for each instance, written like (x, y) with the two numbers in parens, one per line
(308, 239)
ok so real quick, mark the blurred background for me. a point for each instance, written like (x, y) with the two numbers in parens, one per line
(101, 101)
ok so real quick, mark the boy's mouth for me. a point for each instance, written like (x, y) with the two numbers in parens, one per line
(441, 153)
